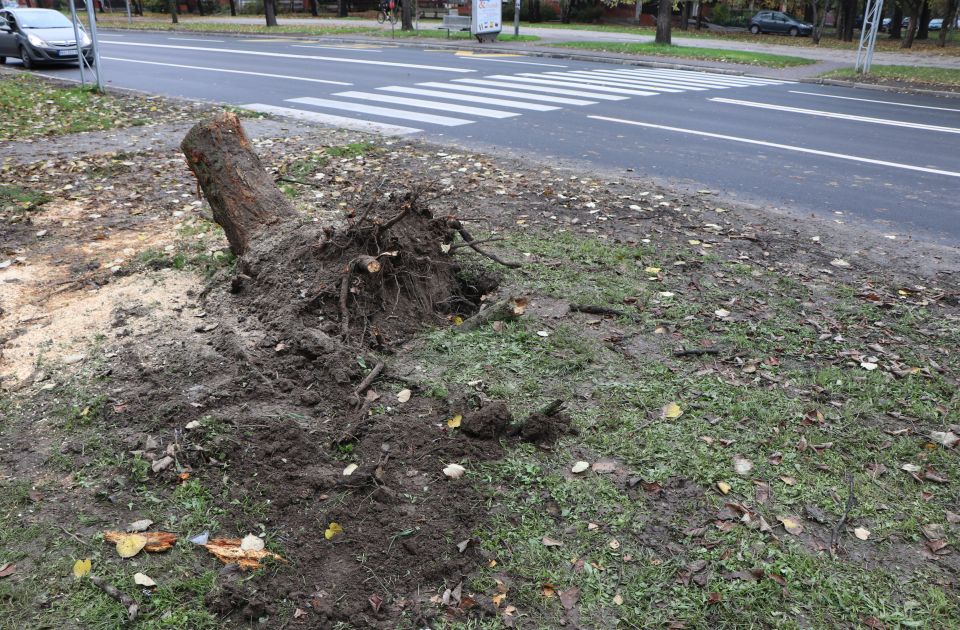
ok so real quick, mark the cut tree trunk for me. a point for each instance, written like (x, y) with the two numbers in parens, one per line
(243, 197)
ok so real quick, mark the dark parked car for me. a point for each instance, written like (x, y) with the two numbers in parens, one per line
(777, 22)
(40, 36)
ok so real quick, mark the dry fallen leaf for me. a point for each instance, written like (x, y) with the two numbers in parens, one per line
(403, 395)
(454, 471)
(723, 486)
(155, 541)
(81, 568)
(861, 533)
(455, 421)
(143, 579)
(742, 465)
(792, 525)
(228, 551)
(579, 467)
(129, 545)
(7, 569)
(549, 591)
(139, 526)
(946, 438)
(671, 411)
(498, 599)
(790, 481)
(332, 530)
(722, 313)
(839, 262)
(349, 470)
(618, 599)
(551, 542)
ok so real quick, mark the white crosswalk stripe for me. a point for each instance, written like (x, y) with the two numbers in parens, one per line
(417, 102)
(538, 79)
(508, 95)
(541, 88)
(559, 100)
(335, 121)
(386, 112)
(470, 98)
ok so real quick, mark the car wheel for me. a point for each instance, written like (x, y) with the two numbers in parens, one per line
(794, 31)
(25, 58)
(3, 60)
(755, 29)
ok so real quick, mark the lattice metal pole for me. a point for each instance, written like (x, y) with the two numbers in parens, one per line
(872, 17)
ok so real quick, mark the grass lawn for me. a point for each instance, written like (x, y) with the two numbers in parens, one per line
(200, 26)
(919, 76)
(685, 52)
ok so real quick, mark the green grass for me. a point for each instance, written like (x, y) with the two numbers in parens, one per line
(920, 76)
(619, 539)
(686, 52)
(19, 200)
(198, 25)
(33, 108)
(432, 32)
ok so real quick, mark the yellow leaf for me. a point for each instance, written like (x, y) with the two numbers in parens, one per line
(672, 411)
(403, 395)
(81, 568)
(454, 422)
(723, 486)
(653, 270)
(498, 599)
(457, 320)
(129, 545)
(332, 530)
(791, 525)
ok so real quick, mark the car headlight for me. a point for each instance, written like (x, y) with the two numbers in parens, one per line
(85, 39)
(36, 41)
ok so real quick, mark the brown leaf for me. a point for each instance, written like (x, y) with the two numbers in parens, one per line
(156, 541)
(938, 547)
(569, 598)
(228, 551)
(953, 518)
(375, 602)
(791, 524)
(550, 542)
(7, 569)
(934, 476)
(762, 492)
(714, 598)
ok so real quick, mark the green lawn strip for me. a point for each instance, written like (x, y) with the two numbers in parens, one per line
(224, 27)
(688, 52)
(616, 540)
(427, 30)
(917, 75)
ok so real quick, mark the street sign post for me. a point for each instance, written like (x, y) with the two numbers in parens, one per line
(868, 35)
(487, 20)
(96, 47)
(516, 18)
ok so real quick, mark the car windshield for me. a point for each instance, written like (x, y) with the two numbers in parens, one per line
(43, 19)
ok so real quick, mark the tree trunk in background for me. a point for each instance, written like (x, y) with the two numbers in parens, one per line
(242, 195)
(818, 24)
(685, 9)
(700, 17)
(270, 10)
(172, 7)
(637, 11)
(535, 11)
(949, 23)
(406, 15)
(664, 16)
(313, 8)
(341, 8)
(896, 23)
(810, 12)
(233, 8)
(912, 27)
(923, 30)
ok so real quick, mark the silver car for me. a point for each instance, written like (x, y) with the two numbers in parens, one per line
(38, 36)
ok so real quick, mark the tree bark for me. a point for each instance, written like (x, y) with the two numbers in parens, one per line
(685, 9)
(664, 17)
(896, 23)
(172, 6)
(313, 8)
(923, 30)
(243, 197)
(341, 8)
(911, 27)
(535, 11)
(270, 10)
(233, 8)
(949, 22)
(406, 15)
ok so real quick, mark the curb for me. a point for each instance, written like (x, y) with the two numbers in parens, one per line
(880, 88)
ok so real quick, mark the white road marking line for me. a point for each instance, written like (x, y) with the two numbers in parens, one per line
(375, 50)
(540, 79)
(870, 100)
(547, 90)
(416, 102)
(339, 121)
(522, 63)
(706, 80)
(785, 147)
(680, 83)
(233, 51)
(256, 74)
(386, 112)
(511, 93)
(704, 77)
(646, 85)
(188, 39)
(470, 98)
(825, 114)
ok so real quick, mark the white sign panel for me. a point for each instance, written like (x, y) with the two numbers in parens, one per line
(487, 16)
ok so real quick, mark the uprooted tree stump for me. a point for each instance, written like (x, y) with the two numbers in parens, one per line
(368, 279)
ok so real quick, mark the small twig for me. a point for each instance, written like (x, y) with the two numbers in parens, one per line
(597, 310)
(846, 513)
(74, 536)
(125, 600)
(396, 218)
(301, 182)
(692, 352)
(472, 243)
(344, 294)
(366, 382)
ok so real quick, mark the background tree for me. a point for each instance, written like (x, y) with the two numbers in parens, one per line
(664, 17)
(923, 30)
(313, 8)
(341, 8)
(406, 15)
(270, 10)
(951, 11)
(172, 7)
(912, 8)
(896, 22)
(233, 7)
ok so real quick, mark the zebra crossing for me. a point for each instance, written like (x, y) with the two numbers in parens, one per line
(464, 101)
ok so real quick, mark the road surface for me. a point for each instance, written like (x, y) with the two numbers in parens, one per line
(888, 160)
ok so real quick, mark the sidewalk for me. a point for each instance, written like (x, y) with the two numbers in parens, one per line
(829, 58)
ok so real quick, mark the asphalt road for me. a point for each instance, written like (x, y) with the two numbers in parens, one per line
(890, 161)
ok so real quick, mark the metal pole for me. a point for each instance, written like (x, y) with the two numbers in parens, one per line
(76, 40)
(91, 14)
(516, 18)
(868, 35)
(129, 17)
